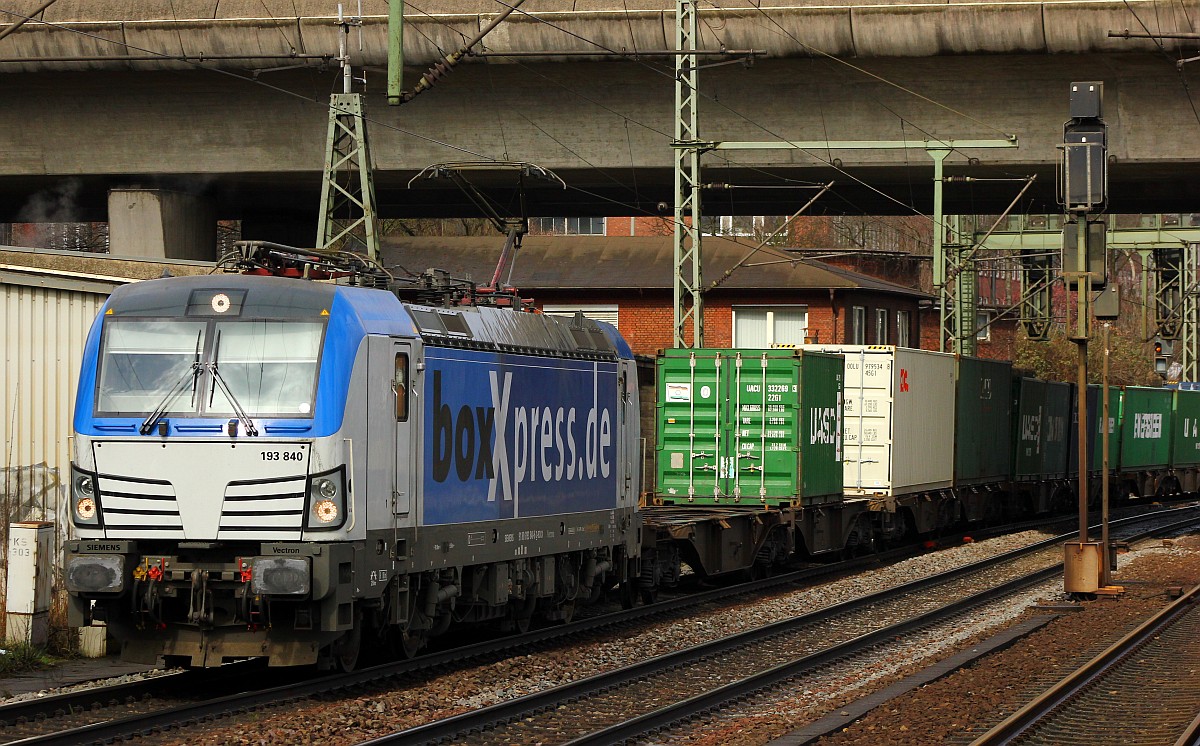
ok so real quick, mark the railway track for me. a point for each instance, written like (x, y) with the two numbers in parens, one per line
(107, 713)
(1142, 689)
(629, 703)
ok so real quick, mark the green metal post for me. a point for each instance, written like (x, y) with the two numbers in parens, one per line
(347, 189)
(395, 72)
(1144, 255)
(966, 292)
(1189, 333)
(687, 296)
(939, 249)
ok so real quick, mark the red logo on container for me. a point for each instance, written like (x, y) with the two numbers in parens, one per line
(903, 380)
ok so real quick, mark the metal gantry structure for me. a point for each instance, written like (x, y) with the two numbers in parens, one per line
(1169, 281)
(688, 297)
(956, 299)
(347, 183)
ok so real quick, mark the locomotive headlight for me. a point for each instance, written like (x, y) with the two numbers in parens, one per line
(95, 573)
(280, 576)
(326, 511)
(84, 499)
(326, 500)
(85, 508)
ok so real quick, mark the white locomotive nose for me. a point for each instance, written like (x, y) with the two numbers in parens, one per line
(258, 493)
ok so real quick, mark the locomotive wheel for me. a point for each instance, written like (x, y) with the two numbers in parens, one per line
(345, 650)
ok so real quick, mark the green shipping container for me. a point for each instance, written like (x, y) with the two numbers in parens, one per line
(1145, 428)
(749, 427)
(1043, 412)
(983, 389)
(1095, 432)
(1185, 438)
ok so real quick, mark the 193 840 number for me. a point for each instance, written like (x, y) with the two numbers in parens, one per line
(283, 455)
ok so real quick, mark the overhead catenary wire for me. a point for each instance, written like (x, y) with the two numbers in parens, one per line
(253, 81)
(784, 141)
(431, 139)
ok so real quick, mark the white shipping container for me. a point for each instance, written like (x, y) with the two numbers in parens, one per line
(898, 419)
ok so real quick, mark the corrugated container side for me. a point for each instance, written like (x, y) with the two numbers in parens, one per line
(1145, 428)
(1095, 440)
(1114, 433)
(867, 422)
(820, 452)
(749, 426)
(1185, 440)
(764, 423)
(688, 432)
(923, 428)
(899, 419)
(1041, 439)
(983, 394)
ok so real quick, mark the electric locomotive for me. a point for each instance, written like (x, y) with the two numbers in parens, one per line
(282, 468)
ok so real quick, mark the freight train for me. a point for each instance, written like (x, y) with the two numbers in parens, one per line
(269, 466)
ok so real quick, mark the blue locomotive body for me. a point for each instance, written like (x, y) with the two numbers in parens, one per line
(289, 469)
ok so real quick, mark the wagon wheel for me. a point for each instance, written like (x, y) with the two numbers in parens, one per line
(411, 643)
(520, 614)
(628, 594)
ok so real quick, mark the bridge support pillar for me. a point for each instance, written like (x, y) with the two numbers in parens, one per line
(161, 224)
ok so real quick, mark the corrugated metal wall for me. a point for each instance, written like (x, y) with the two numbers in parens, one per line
(42, 333)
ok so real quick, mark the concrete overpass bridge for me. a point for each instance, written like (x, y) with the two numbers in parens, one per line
(227, 101)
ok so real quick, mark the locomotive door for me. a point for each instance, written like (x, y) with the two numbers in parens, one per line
(403, 464)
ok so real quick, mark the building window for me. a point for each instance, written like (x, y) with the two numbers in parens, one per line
(983, 328)
(739, 225)
(881, 326)
(858, 325)
(594, 311)
(903, 328)
(567, 226)
(760, 327)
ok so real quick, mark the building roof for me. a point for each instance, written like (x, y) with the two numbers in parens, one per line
(100, 267)
(619, 262)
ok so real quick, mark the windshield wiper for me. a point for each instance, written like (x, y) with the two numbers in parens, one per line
(193, 372)
(220, 381)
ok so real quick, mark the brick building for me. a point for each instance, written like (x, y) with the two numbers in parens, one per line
(628, 280)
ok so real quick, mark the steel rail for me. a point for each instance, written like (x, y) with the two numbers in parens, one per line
(245, 701)
(478, 720)
(1033, 713)
(166, 685)
(1191, 735)
(731, 692)
(77, 701)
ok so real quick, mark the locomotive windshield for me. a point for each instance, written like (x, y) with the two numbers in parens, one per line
(269, 366)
